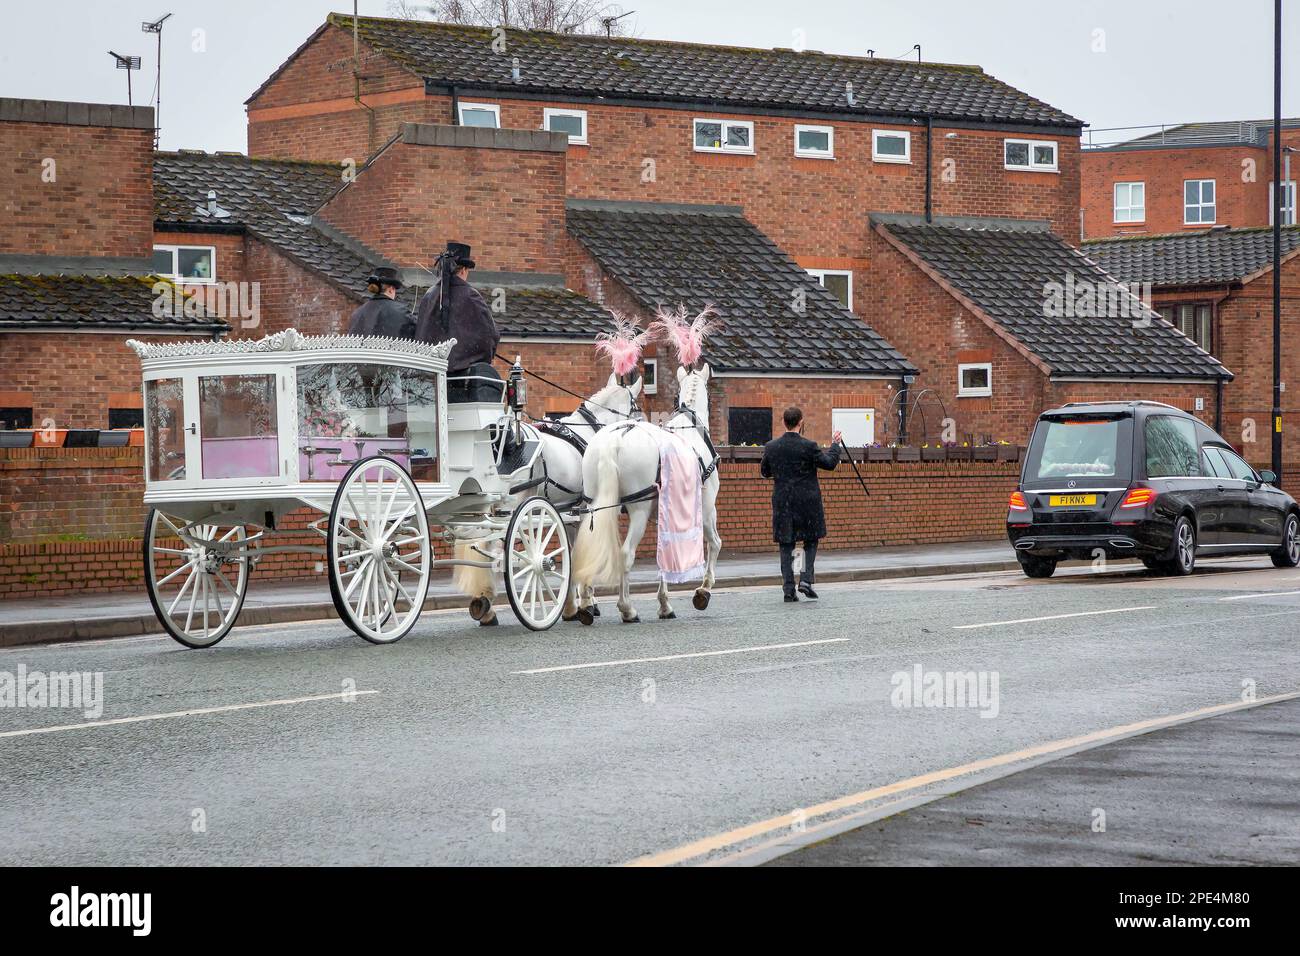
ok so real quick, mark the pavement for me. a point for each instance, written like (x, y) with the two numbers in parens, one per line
(698, 740)
(95, 615)
(1219, 791)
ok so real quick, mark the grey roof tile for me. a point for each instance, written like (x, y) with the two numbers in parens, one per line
(717, 257)
(628, 68)
(91, 302)
(1007, 272)
(1210, 257)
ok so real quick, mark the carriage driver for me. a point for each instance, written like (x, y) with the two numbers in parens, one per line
(468, 321)
(381, 314)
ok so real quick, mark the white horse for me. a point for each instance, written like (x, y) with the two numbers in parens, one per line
(561, 466)
(623, 462)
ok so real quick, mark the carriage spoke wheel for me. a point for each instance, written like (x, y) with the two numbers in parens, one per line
(378, 549)
(537, 564)
(197, 590)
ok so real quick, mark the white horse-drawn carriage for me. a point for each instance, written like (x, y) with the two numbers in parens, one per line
(241, 436)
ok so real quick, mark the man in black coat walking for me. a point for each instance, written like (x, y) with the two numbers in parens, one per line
(797, 515)
(381, 314)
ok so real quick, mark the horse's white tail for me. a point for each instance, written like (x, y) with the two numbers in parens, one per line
(598, 552)
(474, 582)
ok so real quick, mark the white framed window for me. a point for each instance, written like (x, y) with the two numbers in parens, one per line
(837, 281)
(573, 122)
(186, 263)
(649, 376)
(480, 114)
(814, 142)
(975, 380)
(1034, 154)
(1288, 203)
(891, 146)
(724, 136)
(1198, 201)
(1130, 202)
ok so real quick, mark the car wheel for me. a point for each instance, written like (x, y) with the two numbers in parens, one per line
(1036, 567)
(1184, 559)
(1288, 556)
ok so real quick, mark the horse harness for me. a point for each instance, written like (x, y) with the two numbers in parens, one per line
(566, 434)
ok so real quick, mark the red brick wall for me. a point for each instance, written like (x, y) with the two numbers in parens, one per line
(309, 110)
(98, 494)
(292, 297)
(100, 202)
(1241, 203)
(71, 377)
(508, 204)
(1246, 347)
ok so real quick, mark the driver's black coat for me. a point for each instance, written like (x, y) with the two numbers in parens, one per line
(792, 462)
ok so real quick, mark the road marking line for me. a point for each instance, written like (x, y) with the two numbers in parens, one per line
(1054, 617)
(183, 713)
(678, 657)
(1247, 597)
(730, 838)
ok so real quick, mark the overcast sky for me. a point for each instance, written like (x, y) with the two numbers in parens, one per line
(1109, 62)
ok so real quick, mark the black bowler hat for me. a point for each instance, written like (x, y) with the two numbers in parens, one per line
(460, 253)
(385, 275)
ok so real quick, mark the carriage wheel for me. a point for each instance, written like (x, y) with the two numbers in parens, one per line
(196, 592)
(537, 567)
(378, 549)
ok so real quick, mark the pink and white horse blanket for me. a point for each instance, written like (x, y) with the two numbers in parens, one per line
(680, 526)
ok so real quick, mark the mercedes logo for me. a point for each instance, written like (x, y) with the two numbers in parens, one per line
(1070, 484)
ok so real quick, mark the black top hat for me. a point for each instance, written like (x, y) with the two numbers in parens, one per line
(461, 254)
(385, 275)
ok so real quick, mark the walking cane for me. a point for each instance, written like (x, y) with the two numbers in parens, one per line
(855, 468)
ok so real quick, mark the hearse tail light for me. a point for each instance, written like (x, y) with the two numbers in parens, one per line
(1017, 502)
(1138, 498)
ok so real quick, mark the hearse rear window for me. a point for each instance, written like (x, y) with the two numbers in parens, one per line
(1077, 448)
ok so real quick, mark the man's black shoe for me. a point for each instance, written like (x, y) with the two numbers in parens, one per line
(807, 591)
(791, 599)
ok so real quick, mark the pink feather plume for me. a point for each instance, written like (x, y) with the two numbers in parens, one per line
(686, 335)
(622, 346)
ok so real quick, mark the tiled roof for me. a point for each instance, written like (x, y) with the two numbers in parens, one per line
(1210, 257)
(272, 199)
(1009, 272)
(91, 302)
(670, 255)
(249, 189)
(718, 76)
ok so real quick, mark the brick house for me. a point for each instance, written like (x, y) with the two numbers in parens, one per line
(76, 277)
(1217, 286)
(1005, 319)
(1187, 177)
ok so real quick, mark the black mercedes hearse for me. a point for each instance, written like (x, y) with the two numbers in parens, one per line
(1144, 480)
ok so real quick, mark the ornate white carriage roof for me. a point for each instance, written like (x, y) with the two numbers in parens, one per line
(290, 340)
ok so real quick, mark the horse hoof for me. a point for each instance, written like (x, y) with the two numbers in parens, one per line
(489, 621)
(668, 617)
(586, 618)
(595, 611)
(701, 599)
(632, 620)
(479, 607)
